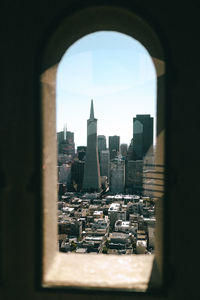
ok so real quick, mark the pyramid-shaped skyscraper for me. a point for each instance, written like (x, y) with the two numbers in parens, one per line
(91, 179)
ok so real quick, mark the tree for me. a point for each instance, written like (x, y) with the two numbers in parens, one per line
(105, 250)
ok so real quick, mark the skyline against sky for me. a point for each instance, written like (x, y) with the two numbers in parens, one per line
(114, 70)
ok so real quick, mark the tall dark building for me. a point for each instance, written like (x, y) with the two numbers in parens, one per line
(114, 142)
(142, 135)
(65, 141)
(105, 163)
(77, 171)
(81, 152)
(134, 176)
(91, 179)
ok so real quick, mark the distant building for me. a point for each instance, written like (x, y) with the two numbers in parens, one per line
(114, 142)
(142, 135)
(150, 175)
(141, 246)
(91, 179)
(120, 242)
(105, 163)
(70, 226)
(117, 176)
(60, 137)
(131, 155)
(64, 174)
(113, 213)
(134, 176)
(101, 142)
(81, 152)
(77, 171)
(123, 226)
(65, 142)
(124, 150)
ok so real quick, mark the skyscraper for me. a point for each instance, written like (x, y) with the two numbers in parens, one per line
(114, 142)
(123, 150)
(65, 141)
(117, 176)
(101, 143)
(142, 135)
(91, 179)
(105, 163)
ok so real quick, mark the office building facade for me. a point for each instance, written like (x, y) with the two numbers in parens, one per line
(142, 135)
(105, 163)
(114, 143)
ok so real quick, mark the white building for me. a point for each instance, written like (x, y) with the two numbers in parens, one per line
(141, 246)
(113, 213)
(123, 226)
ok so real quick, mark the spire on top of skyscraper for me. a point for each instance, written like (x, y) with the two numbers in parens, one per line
(91, 177)
(92, 110)
(65, 130)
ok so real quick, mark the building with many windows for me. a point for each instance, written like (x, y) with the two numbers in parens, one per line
(105, 163)
(114, 142)
(142, 135)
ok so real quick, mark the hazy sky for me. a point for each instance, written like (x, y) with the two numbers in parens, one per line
(116, 72)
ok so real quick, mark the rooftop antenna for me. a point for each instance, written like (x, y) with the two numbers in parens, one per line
(92, 110)
(65, 130)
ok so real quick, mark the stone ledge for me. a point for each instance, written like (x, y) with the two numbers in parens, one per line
(128, 272)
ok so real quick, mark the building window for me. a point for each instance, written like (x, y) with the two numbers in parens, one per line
(86, 271)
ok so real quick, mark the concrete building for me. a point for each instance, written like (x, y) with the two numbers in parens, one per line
(142, 134)
(124, 150)
(141, 246)
(91, 179)
(105, 163)
(122, 226)
(119, 241)
(113, 213)
(117, 176)
(114, 142)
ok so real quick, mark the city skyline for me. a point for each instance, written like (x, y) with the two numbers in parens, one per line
(64, 132)
(116, 72)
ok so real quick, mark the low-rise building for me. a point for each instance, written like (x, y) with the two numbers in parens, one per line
(123, 226)
(98, 214)
(113, 213)
(141, 246)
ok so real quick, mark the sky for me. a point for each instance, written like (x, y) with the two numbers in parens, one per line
(114, 70)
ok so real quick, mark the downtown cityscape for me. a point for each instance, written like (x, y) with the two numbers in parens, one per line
(105, 198)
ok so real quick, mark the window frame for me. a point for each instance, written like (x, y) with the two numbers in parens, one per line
(83, 22)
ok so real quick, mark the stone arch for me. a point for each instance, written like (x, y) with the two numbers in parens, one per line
(74, 26)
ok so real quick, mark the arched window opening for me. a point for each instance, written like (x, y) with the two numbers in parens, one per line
(117, 71)
(90, 200)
